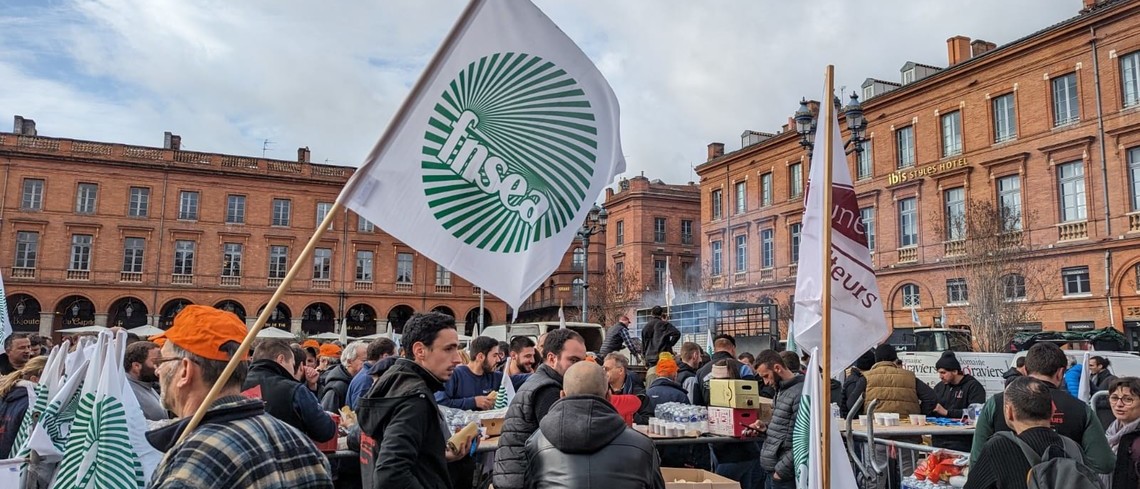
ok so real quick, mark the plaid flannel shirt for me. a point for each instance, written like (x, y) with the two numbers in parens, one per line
(255, 451)
(633, 348)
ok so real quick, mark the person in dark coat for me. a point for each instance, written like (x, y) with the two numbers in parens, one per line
(621, 380)
(687, 365)
(14, 399)
(956, 392)
(776, 453)
(665, 388)
(286, 399)
(471, 385)
(617, 337)
(399, 417)
(1017, 370)
(855, 383)
(1123, 433)
(659, 335)
(17, 350)
(335, 381)
(737, 461)
(583, 441)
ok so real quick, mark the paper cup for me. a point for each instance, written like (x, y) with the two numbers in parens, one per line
(863, 419)
(918, 420)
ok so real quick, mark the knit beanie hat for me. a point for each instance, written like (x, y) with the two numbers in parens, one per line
(885, 353)
(948, 362)
(666, 366)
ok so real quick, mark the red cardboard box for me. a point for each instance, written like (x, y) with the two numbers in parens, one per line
(731, 421)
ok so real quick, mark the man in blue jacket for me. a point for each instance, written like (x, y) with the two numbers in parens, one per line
(471, 385)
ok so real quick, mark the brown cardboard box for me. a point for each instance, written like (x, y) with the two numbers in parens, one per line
(492, 426)
(765, 409)
(731, 393)
(695, 479)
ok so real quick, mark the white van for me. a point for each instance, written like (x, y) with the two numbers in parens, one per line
(593, 333)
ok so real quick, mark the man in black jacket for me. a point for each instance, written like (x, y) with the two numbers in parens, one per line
(335, 380)
(687, 366)
(737, 461)
(286, 398)
(562, 349)
(776, 454)
(399, 417)
(855, 383)
(956, 392)
(583, 441)
(659, 335)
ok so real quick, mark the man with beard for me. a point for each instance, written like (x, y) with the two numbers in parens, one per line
(273, 375)
(471, 385)
(17, 352)
(522, 353)
(956, 391)
(139, 364)
(237, 444)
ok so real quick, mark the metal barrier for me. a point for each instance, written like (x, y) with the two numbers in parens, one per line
(899, 458)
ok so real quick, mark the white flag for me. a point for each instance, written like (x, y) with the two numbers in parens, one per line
(5, 321)
(857, 321)
(1083, 392)
(806, 443)
(499, 152)
(562, 317)
(914, 317)
(506, 390)
(670, 294)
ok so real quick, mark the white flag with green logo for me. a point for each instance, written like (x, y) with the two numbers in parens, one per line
(806, 438)
(506, 392)
(5, 321)
(499, 152)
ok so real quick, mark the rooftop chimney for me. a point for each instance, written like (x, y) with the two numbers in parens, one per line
(303, 154)
(172, 141)
(24, 127)
(716, 150)
(980, 47)
(958, 49)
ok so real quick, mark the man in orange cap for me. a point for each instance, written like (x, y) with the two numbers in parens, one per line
(237, 444)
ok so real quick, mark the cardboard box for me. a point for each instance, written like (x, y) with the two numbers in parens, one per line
(734, 393)
(730, 421)
(492, 426)
(765, 409)
(695, 479)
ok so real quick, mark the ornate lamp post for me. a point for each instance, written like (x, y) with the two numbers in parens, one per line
(595, 223)
(806, 124)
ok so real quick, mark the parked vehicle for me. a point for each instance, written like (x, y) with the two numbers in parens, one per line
(593, 333)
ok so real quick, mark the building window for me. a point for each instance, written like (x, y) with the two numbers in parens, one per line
(442, 275)
(1009, 197)
(1076, 280)
(1066, 108)
(619, 269)
(278, 261)
(139, 202)
(1071, 180)
(235, 209)
(911, 296)
(1134, 176)
(955, 200)
(1005, 119)
(868, 92)
(33, 199)
(620, 235)
(741, 253)
(766, 189)
(322, 264)
(363, 266)
(716, 204)
(231, 260)
(578, 258)
(795, 180)
(659, 273)
(1130, 71)
(27, 249)
(80, 252)
(908, 76)
(741, 196)
(908, 223)
(767, 248)
(323, 209)
(794, 229)
(184, 257)
(659, 230)
(904, 143)
(1013, 286)
(282, 212)
(952, 134)
(364, 225)
(956, 292)
(188, 206)
(716, 258)
(867, 217)
(85, 196)
(404, 268)
(133, 249)
(864, 161)
(576, 287)
(686, 232)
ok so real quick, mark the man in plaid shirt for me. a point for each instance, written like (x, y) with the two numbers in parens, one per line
(237, 443)
(617, 338)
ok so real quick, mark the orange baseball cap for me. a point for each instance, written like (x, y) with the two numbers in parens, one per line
(202, 330)
(311, 343)
(330, 350)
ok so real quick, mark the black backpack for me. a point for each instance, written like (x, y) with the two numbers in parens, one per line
(1051, 471)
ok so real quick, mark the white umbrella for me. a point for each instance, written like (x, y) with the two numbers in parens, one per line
(328, 336)
(145, 331)
(272, 332)
(84, 329)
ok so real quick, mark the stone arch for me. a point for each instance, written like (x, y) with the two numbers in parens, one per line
(318, 318)
(24, 313)
(280, 318)
(361, 320)
(398, 316)
(230, 305)
(128, 312)
(171, 309)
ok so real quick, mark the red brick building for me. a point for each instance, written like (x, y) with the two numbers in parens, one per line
(1048, 124)
(96, 233)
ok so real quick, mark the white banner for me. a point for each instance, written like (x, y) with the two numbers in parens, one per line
(493, 163)
(857, 320)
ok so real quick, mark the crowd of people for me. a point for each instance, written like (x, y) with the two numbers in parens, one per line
(568, 424)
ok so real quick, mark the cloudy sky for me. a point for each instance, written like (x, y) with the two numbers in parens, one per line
(228, 75)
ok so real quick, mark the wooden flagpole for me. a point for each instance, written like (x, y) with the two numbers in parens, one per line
(303, 260)
(825, 362)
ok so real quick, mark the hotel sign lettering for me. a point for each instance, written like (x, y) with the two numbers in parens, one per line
(909, 174)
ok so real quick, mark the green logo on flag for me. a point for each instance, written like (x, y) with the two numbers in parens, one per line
(509, 152)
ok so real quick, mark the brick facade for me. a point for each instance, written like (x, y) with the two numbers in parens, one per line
(1054, 134)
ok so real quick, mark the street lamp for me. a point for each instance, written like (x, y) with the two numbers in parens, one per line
(595, 223)
(806, 124)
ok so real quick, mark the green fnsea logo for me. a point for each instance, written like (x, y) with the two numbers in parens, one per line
(509, 152)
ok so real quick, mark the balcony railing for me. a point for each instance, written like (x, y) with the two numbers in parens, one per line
(1069, 231)
(793, 269)
(274, 282)
(687, 239)
(130, 277)
(362, 285)
(739, 278)
(908, 255)
(767, 274)
(954, 248)
(23, 272)
(320, 283)
(181, 279)
(1134, 222)
(716, 282)
(403, 286)
(231, 280)
(79, 274)
(476, 290)
(1010, 239)
(442, 289)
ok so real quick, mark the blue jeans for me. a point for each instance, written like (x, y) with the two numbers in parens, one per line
(775, 484)
(749, 474)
